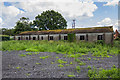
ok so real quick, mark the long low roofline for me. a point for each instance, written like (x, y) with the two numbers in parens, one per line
(76, 30)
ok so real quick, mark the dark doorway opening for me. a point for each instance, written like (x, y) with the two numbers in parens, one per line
(41, 37)
(34, 38)
(65, 38)
(26, 38)
(18, 38)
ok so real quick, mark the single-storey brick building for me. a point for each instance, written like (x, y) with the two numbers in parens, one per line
(83, 34)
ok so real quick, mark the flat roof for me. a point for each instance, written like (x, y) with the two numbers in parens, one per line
(76, 30)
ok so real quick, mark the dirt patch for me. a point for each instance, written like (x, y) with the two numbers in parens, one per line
(31, 66)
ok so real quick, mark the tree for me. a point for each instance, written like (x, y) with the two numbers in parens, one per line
(50, 20)
(5, 31)
(22, 25)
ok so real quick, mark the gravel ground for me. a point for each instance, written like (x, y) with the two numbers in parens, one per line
(49, 66)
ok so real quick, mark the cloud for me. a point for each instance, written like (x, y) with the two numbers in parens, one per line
(105, 21)
(112, 3)
(10, 11)
(0, 22)
(69, 10)
(9, 15)
(109, 22)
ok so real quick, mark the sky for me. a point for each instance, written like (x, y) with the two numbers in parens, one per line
(87, 13)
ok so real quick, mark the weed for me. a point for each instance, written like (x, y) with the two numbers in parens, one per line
(77, 60)
(94, 58)
(22, 55)
(114, 66)
(89, 59)
(89, 67)
(71, 75)
(71, 63)
(67, 65)
(57, 57)
(52, 63)
(36, 53)
(61, 61)
(29, 53)
(38, 63)
(78, 68)
(60, 65)
(74, 55)
(81, 63)
(44, 57)
(27, 74)
(18, 67)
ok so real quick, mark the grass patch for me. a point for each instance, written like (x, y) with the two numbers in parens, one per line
(72, 49)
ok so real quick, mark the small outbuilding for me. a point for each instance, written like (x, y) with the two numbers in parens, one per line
(84, 34)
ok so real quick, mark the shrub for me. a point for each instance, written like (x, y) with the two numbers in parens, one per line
(71, 37)
(100, 42)
(4, 37)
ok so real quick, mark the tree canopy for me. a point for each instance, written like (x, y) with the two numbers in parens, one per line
(23, 25)
(50, 20)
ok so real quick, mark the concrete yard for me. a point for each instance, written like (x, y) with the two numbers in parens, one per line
(15, 66)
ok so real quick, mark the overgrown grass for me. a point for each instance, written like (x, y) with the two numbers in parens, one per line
(72, 49)
(102, 73)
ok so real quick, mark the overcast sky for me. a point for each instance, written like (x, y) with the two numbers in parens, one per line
(87, 13)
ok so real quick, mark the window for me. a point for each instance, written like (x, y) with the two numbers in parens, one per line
(100, 37)
(65, 38)
(34, 38)
(51, 37)
(26, 38)
(18, 38)
(41, 37)
(82, 38)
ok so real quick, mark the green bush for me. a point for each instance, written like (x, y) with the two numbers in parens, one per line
(71, 37)
(4, 37)
(100, 42)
